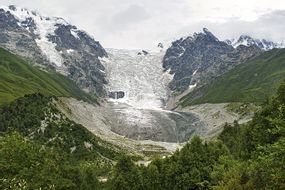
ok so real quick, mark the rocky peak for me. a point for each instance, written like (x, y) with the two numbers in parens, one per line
(54, 43)
(197, 60)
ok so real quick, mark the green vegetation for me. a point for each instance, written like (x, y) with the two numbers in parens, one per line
(18, 78)
(35, 116)
(249, 156)
(42, 149)
(36, 152)
(252, 81)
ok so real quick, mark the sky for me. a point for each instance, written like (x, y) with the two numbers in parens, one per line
(142, 24)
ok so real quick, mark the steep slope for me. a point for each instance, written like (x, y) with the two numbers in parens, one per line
(18, 78)
(41, 148)
(252, 81)
(139, 75)
(199, 59)
(37, 117)
(52, 42)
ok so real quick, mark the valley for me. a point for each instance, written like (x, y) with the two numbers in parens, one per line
(140, 121)
(200, 112)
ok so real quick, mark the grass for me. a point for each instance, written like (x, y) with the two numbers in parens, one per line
(252, 81)
(18, 78)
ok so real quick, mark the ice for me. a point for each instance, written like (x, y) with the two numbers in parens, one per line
(140, 77)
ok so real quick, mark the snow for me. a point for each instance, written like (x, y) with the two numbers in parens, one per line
(74, 33)
(102, 71)
(192, 86)
(45, 27)
(140, 77)
(70, 50)
(248, 41)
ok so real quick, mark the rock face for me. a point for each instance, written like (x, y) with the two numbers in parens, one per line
(199, 59)
(52, 43)
(116, 94)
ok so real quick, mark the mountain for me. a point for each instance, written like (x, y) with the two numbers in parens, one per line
(199, 59)
(18, 78)
(53, 43)
(252, 81)
(249, 41)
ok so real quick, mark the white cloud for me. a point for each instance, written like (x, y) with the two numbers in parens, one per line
(142, 24)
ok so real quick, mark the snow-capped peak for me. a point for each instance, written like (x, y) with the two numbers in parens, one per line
(249, 41)
(42, 27)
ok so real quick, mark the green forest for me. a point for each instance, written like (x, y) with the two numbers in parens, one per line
(248, 156)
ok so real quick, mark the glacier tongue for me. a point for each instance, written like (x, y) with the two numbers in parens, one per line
(140, 114)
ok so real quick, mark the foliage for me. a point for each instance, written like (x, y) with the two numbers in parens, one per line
(252, 81)
(249, 156)
(36, 117)
(18, 78)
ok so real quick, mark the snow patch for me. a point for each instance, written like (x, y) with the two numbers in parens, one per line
(45, 28)
(70, 51)
(192, 86)
(74, 33)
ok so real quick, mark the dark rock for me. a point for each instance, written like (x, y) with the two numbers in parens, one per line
(116, 94)
(82, 65)
(160, 45)
(201, 59)
(143, 52)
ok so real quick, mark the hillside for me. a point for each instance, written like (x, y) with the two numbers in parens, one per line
(252, 81)
(46, 149)
(54, 43)
(18, 78)
(199, 59)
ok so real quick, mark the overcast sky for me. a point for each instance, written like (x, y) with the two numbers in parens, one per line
(137, 24)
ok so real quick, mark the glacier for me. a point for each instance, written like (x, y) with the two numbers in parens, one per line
(141, 113)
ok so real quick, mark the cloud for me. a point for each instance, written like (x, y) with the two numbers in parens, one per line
(133, 14)
(268, 26)
(142, 24)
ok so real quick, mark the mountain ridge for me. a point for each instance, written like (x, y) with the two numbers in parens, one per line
(247, 40)
(252, 81)
(199, 59)
(53, 43)
(19, 78)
